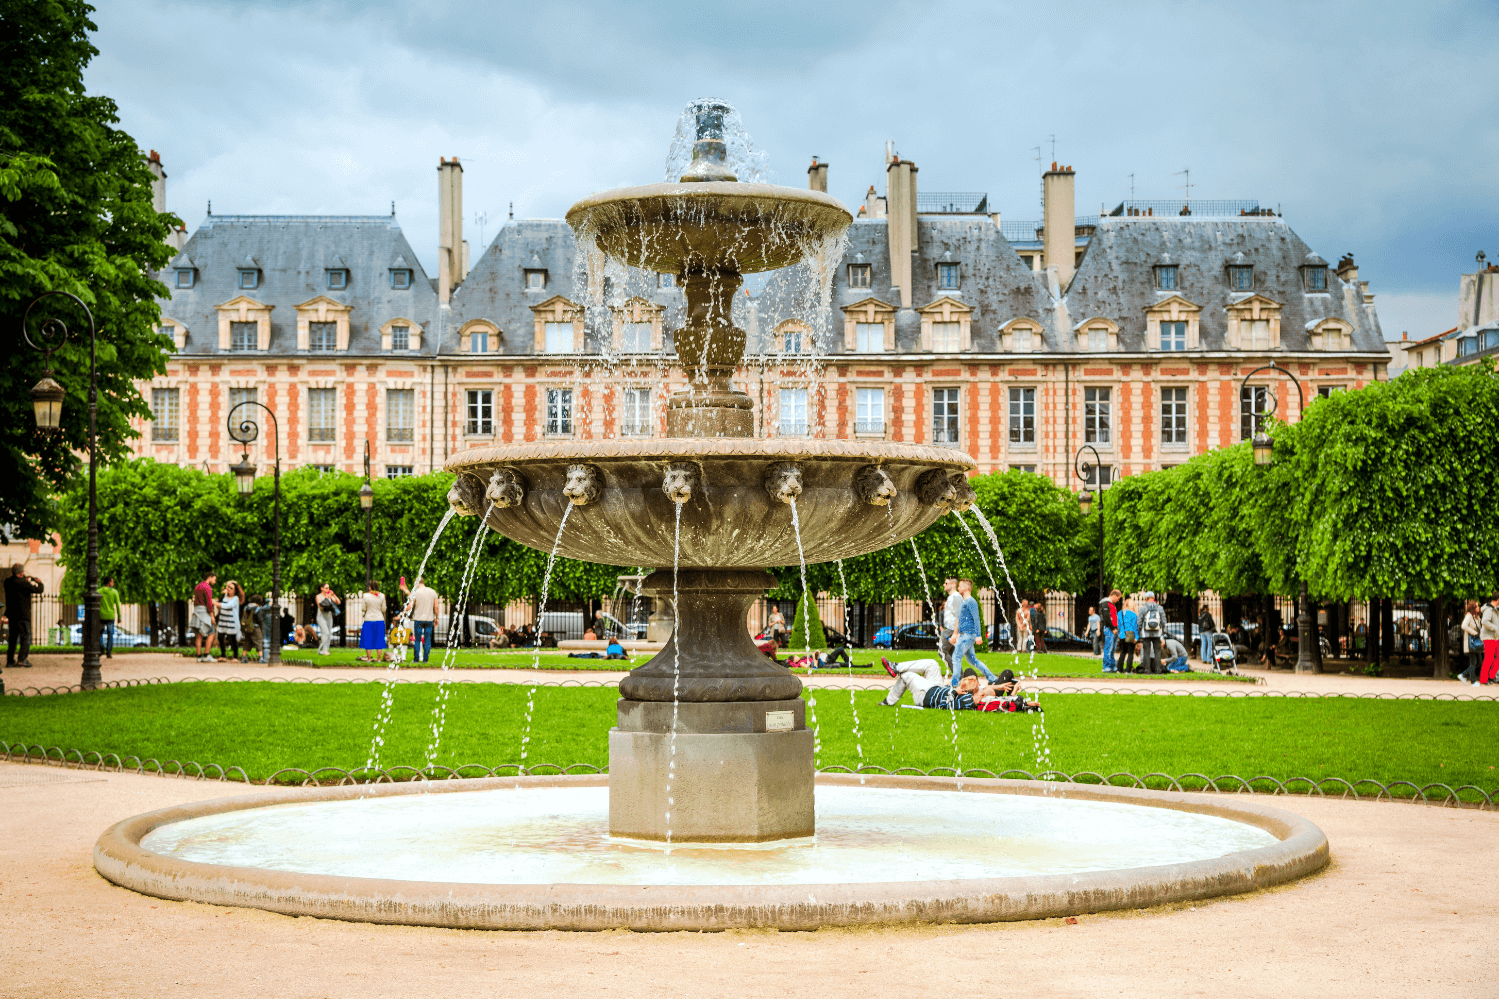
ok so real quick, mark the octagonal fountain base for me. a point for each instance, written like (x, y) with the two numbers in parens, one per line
(534, 853)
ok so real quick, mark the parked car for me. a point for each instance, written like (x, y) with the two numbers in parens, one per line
(922, 635)
(1060, 640)
(882, 638)
(1174, 629)
(123, 639)
(607, 625)
(1000, 639)
(480, 629)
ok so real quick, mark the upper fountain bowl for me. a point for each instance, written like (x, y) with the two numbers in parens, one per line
(708, 226)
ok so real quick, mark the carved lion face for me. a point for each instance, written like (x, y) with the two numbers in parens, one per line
(680, 481)
(583, 485)
(934, 488)
(874, 486)
(963, 494)
(505, 489)
(783, 481)
(466, 496)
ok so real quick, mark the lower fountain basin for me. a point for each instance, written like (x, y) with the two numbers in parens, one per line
(534, 853)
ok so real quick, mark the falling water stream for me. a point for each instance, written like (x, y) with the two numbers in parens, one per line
(546, 583)
(952, 704)
(853, 706)
(676, 667)
(457, 613)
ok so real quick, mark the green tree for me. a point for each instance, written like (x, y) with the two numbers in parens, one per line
(806, 627)
(76, 216)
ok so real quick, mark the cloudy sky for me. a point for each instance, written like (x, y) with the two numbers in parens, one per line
(1373, 126)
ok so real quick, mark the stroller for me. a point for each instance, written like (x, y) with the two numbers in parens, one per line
(1225, 658)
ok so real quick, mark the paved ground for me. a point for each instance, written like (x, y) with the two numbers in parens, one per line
(1407, 908)
(58, 670)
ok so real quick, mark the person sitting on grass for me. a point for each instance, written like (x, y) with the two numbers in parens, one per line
(614, 650)
(922, 679)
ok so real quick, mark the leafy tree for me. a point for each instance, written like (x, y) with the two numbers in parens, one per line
(76, 216)
(806, 627)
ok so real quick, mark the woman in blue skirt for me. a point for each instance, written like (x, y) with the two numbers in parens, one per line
(372, 634)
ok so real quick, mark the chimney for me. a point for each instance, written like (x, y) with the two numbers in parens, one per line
(452, 267)
(817, 176)
(874, 205)
(1060, 226)
(1347, 269)
(900, 190)
(158, 182)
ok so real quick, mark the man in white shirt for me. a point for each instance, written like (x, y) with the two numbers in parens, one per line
(950, 610)
(421, 608)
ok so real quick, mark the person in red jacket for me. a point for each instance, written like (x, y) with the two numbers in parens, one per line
(1109, 613)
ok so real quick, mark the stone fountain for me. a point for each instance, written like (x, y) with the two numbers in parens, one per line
(732, 719)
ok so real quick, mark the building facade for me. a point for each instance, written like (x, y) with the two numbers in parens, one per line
(1015, 342)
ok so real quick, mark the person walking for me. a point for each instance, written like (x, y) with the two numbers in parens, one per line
(966, 634)
(776, 625)
(1488, 630)
(109, 612)
(1110, 617)
(228, 621)
(1038, 625)
(327, 607)
(945, 635)
(1095, 630)
(1023, 627)
(1129, 635)
(249, 627)
(1152, 630)
(19, 589)
(372, 634)
(421, 609)
(1206, 628)
(200, 623)
(1472, 644)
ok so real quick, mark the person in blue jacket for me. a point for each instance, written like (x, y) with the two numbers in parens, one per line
(1129, 635)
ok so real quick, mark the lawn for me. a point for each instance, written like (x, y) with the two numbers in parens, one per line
(263, 727)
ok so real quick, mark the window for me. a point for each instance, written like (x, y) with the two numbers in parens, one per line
(1254, 334)
(398, 471)
(1022, 416)
(665, 280)
(1098, 476)
(793, 413)
(1254, 401)
(478, 342)
(636, 419)
(947, 337)
(869, 338)
(1327, 391)
(400, 414)
(869, 411)
(635, 339)
(185, 277)
(321, 413)
(559, 411)
(324, 469)
(338, 279)
(1165, 278)
(1028, 469)
(945, 416)
(1029, 261)
(400, 338)
(858, 275)
(536, 280)
(164, 414)
(1241, 278)
(1173, 335)
(480, 413)
(239, 395)
(1173, 416)
(322, 336)
(947, 277)
(1316, 279)
(559, 338)
(1020, 341)
(244, 336)
(249, 277)
(793, 343)
(1098, 341)
(400, 279)
(1098, 411)
(1332, 338)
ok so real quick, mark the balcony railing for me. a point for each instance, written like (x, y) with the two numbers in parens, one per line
(635, 429)
(869, 426)
(788, 428)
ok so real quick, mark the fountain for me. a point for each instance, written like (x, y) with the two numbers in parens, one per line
(708, 817)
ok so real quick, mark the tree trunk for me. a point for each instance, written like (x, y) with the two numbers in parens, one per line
(154, 626)
(1436, 629)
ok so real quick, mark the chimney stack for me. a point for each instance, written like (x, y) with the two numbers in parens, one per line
(1060, 222)
(158, 182)
(900, 192)
(817, 176)
(452, 251)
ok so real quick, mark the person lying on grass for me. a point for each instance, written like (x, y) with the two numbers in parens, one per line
(826, 659)
(922, 678)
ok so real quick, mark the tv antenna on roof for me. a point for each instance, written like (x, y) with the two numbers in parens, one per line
(1187, 186)
(1041, 178)
(1131, 187)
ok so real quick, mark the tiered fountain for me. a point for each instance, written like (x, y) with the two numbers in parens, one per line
(710, 819)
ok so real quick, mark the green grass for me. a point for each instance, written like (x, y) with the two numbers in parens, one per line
(263, 727)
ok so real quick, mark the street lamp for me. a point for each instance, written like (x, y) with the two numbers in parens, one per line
(46, 400)
(245, 432)
(1264, 454)
(1085, 501)
(367, 504)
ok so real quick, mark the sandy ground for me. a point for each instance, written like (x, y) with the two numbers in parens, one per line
(1408, 907)
(62, 670)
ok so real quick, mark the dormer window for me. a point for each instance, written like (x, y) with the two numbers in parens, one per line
(665, 280)
(249, 277)
(400, 278)
(947, 277)
(338, 278)
(186, 277)
(1241, 277)
(400, 338)
(536, 279)
(858, 275)
(1316, 278)
(1165, 277)
(792, 344)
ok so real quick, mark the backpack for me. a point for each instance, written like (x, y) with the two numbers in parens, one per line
(1152, 622)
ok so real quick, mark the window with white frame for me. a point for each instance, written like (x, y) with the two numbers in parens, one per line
(244, 336)
(1098, 476)
(858, 275)
(1254, 334)
(1254, 404)
(322, 336)
(1028, 469)
(635, 338)
(793, 342)
(1020, 340)
(1022, 416)
(945, 416)
(1173, 416)
(164, 414)
(947, 277)
(322, 469)
(635, 416)
(322, 414)
(1098, 415)
(400, 414)
(947, 337)
(536, 280)
(559, 411)
(793, 421)
(239, 395)
(185, 277)
(478, 341)
(1098, 340)
(559, 338)
(399, 471)
(869, 338)
(480, 413)
(869, 411)
(1173, 335)
(1328, 391)
(400, 338)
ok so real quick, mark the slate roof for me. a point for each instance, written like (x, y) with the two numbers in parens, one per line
(293, 253)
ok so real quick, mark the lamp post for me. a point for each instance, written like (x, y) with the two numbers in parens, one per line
(245, 432)
(1085, 501)
(1264, 454)
(367, 504)
(46, 399)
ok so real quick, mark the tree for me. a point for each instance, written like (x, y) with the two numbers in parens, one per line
(75, 215)
(806, 627)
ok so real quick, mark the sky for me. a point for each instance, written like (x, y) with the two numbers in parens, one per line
(1373, 127)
